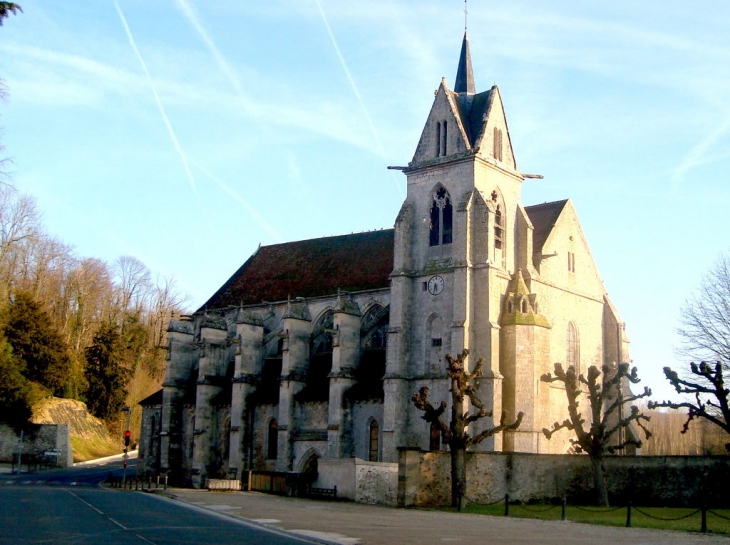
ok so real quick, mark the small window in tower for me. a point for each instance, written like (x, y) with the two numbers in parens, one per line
(510, 307)
(435, 225)
(438, 139)
(497, 152)
(444, 140)
(448, 223)
(424, 286)
(436, 342)
(374, 440)
(572, 261)
(524, 306)
(498, 229)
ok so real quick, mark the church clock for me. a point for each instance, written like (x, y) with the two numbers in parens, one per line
(435, 285)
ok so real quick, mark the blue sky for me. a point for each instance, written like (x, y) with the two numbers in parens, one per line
(185, 133)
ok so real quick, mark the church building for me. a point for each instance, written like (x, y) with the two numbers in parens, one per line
(313, 349)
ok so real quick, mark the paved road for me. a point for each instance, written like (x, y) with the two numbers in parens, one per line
(45, 514)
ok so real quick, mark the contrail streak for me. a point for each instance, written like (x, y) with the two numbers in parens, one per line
(261, 220)
(192, 17)
(354, 88)
(170, 130)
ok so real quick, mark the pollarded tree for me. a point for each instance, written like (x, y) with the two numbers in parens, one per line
(707, 385)
(456, 433)
(105, 373)
(607, 399)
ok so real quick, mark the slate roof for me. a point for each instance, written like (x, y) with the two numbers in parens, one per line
(543, 218)
(310, 268)
(321, 266)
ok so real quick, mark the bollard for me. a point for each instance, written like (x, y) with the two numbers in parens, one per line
(165, 481)
(628, 515)
(562, 510)
(158, 482)
(703, 528)
(136, 483)
(506, 505)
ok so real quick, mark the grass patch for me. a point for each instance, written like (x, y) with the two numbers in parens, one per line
(89, 449)
(643, 517)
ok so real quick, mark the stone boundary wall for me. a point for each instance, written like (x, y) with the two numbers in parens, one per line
(424, 479)
(359, 480)
(38, 439)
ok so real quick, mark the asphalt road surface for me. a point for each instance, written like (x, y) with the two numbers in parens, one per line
(66, 506)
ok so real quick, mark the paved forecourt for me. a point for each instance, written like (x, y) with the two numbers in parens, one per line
(350, 523)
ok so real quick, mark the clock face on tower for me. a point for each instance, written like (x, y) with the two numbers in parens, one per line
(435, 285)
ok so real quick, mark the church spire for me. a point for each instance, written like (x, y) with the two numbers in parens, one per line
(464, 74)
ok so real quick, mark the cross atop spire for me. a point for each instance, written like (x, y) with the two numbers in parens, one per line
(464, 74)
(466, 15)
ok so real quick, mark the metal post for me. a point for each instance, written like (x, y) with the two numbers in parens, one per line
(165, 481)
(506, 505)
(703, 528)
(125, 457)
(628, 515)
(20, 451)
(562, 511)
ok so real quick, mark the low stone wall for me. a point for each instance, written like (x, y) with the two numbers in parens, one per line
(424, 478)
(42, 443)
(359, 480)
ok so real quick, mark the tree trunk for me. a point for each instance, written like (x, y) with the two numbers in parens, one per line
(458, 475)
(599, 482)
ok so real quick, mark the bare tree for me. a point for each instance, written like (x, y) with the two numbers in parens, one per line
(19, 223)
(706, 385)
(607, 399)
(456, 434)
(705, 317)
(133, 284)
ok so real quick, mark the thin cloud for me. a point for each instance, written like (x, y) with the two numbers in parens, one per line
(699, 154)
(160, 107)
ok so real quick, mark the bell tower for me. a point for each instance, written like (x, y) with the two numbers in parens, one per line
(454, 248)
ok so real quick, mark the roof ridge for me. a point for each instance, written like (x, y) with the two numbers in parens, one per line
(382, 229)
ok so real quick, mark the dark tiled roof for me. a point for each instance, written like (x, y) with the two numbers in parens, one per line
(543, 218)
(154, 399)
(310, 268)
(471, 110)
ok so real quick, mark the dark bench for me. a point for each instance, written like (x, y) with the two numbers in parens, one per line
(323, 492)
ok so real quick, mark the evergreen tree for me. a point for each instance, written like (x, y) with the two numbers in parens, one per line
(15, 392)
(105, 373)
(36, 341)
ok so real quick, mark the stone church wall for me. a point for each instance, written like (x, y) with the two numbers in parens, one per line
(424, 479)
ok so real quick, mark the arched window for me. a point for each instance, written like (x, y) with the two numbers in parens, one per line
(374, 441)
(572, 349)
(524, 306)
(441, 225)
(438, 139)
(272, 450)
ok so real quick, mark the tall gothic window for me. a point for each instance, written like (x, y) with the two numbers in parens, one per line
(441, 225)
(272, 450)
(573, 351)
(441, 138)
(374, 441)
